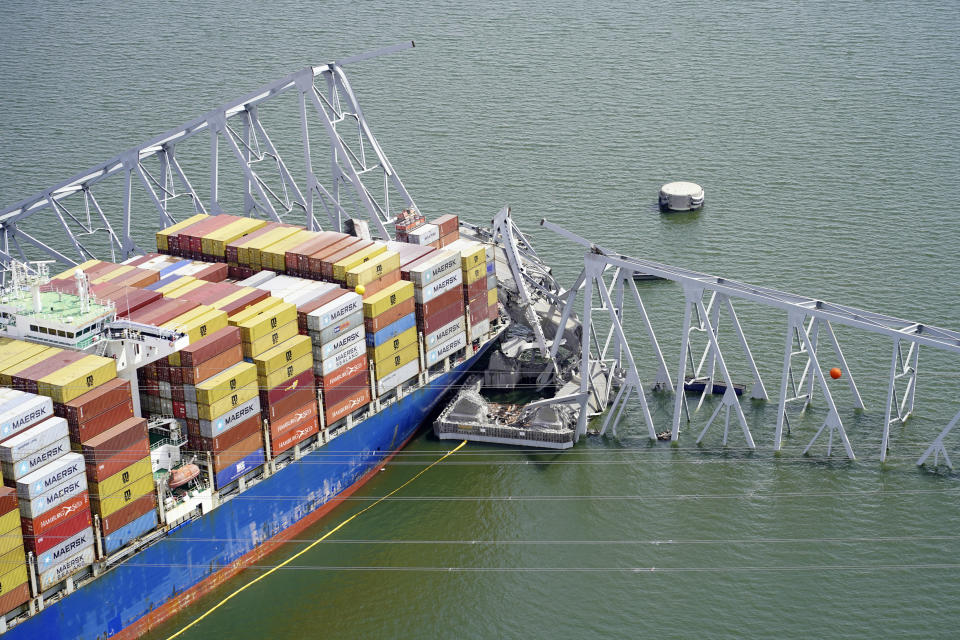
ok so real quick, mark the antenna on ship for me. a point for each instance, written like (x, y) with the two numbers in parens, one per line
(22, 277)
(83, 290)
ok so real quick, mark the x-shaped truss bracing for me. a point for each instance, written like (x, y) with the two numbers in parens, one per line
(361, 181)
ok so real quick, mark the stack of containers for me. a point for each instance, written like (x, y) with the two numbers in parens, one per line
(298, 256)
(473, 258)
(425, 235)
(449, 229)
(250, 253)
(213, 244)
(312, 266)
(373, 273)
(337, 336)
(229, 437)
(334, 264)
(120, 476)
(437, 283)
(274, 256)
(14, 585)
(407, 221)
(292, 412)
(493, 307)
(126, 299)
(51, 488)
(232, 250)
(393, 346)
(179, 240)
(163, 244)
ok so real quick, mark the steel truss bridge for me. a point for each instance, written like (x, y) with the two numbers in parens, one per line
(70, 223)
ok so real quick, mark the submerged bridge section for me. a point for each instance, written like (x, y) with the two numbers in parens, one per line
(608, 276)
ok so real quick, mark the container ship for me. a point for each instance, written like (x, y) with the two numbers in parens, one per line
(170, 417)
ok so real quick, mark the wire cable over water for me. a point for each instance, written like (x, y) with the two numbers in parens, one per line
(314, 543)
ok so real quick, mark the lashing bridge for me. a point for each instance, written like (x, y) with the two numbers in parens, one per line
(608, 276)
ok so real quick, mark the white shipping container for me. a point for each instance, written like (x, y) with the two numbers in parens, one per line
(436, 267)
(342, 342)
(65, 569)
(166, 391)
(257, 279)
(237, 415)
(36, 459)
(341, 358)
(50, 475)
(480, 329)
(34, 439)
(395, 378)
(442, 285)
(61, 493)
(331, 312)
(334, 331)
(424, 234)
(446, 332)
(10, 398)
(452, 345)
(69, 547)
(27, 412)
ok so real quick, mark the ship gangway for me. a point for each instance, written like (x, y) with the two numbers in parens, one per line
(608, 277)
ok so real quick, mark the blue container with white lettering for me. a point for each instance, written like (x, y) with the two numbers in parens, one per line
(127, 533)
(391, 331)
(237, 469)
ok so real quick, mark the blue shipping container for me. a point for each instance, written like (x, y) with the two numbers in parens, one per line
(391, 331)
(176, 265)
(161, 282)
(123, 535)
(237, 469)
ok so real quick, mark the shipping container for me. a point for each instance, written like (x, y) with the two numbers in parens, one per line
(116, 540)
(314, 263)
(210, 367)
(446, 349)
(438, 287)
(28, 379)
(431, 268)
(27, 413)
(229, 419)
(287, 372)
(263, 318)
(226, 404)
(66, 568)
(271, 396)
(275, 256)
(296, 419)
(472, 254)
(398, 377)
(50, 475)
(241, 302)
(281, 355)
(447, 223)
(7, 374)
(286, 332)
(119, 461)
(295, 437)
(84, 431)
(238, 452)
(8, 499)
(124, 435)
(388, 317)
(432, 316)
(334, 312)
(343, 373)
(494, 312)
(119, 519)
(348, 406)
(30, 441)
(297, 259)
(334, 362)
(121, 480)
(287, 404)
(480, 329)
(57, 495)
(13, 579)
(338, 329)
(376, 286)
(13, 597)
(392, 346)
(225, 440)
(164, 234)
(214, 245)
(389, 297)
(392, 330)
(234, 471)
(395, 361)
(347, 388)
(105, 505)
(370, 267)
(52, 518)
(478, 310)
(357, 254)
(445, 332)
(64, 543)
(424, 235)
(36, 459)
(231, 250)
(179, 242)
(161, 311)
(229, 381)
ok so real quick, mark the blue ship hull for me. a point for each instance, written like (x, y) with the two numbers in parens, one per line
(296, 495)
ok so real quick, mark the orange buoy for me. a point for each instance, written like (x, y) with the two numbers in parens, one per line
(835, 373)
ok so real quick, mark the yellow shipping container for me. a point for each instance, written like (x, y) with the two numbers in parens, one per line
(262, 324)
(252, 251)
(251, 311)
(474, 254)
(180, 291)
(391, 347)
(226, 382)
(341, 267)
(473, 274)
(284, 373)
(282, 354)
(390, 364)
(10, 538)
(72, 270)
(383, 300)
(163, 236)
(197, 326)
(13, 570)
(109, 504)
(114, 273)
(24, 359)
(491, 297)
(121, 479)
(215, 243)
(373, 269)
(269, 341)
(220, 407)
(76, 379)
(274, 257)
(170, 287)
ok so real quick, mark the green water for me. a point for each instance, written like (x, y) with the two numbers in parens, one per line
(825, 137)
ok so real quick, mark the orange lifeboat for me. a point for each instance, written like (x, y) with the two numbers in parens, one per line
(182, 475)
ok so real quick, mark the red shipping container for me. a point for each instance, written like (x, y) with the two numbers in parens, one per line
(494, 312)
(345, 372)
(381, 283)
(195, 236)
(116, 463)
(274, 411)
(237, 452)
(447, 223)
(129, 299)
(52, 517)
(229, 438)
(479, 310)
(179, 409)
(348, 387)
(213, 366)
(26, 380)
(127, 514)
(99, 448)
(8, 500)
(163, 371)
(293, 420)
(304, 310)
(83, 431)
(209, 346)
(471, 291)
(139, 260)
(281, 391)
(15, 597)
(440, 318)
(64, 530)
(94, 402)
(388, 317)
(294, 437)
(242, 303)
(315, 261)
(179, 243)
(162, 311)
(309, 247)
(214, 273)
(442, 301)
(176, 378)
(326, 265)
(348, 406)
